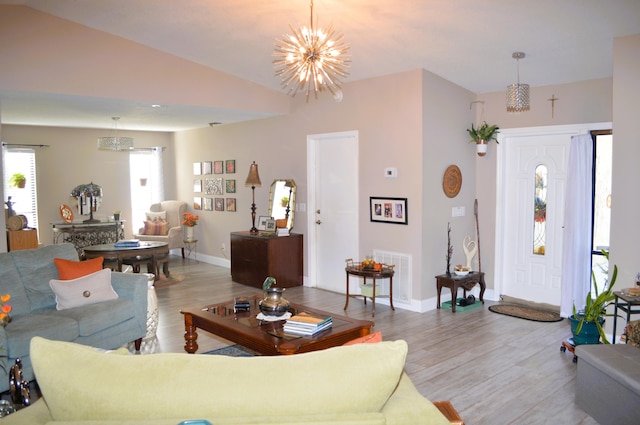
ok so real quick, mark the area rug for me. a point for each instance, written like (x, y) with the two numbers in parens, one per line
(168, 281)
(526, 312)
(233, 351)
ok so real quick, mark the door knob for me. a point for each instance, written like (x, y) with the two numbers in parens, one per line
(317, 211)
(318, 221)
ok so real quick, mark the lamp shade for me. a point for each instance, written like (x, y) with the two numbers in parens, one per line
(253, 179)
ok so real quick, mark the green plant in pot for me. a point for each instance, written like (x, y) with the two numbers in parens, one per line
(482, 135)
(18, 180)
(587, 324)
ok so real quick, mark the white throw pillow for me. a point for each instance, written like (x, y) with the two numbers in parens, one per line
(90, 289)
(152, 216)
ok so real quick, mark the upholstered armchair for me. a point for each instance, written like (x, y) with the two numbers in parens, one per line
(174, 234)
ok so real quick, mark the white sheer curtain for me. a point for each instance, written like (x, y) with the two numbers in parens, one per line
(576, 248)
(157, 178)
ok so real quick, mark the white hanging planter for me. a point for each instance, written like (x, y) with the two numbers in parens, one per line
(481, 147)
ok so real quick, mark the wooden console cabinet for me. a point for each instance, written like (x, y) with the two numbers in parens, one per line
(22, 239)
(254, 257)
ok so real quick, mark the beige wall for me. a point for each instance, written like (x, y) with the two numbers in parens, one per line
(625, 230)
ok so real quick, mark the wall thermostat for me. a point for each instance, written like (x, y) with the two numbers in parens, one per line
(391, 172)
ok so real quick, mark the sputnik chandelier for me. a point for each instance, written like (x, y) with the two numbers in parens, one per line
(312, 60)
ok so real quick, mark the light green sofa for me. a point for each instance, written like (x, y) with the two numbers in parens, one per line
(25, 275)
(359, 384)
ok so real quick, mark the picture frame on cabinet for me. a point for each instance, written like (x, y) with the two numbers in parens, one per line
(262, 222)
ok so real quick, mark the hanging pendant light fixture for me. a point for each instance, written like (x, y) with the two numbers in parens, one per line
(312, 60)
(518, 94)
(115, 142)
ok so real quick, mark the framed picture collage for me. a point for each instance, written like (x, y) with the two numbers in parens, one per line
(213, 189)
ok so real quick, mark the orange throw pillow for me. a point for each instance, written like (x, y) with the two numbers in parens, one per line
(367, 339)
(69, 269)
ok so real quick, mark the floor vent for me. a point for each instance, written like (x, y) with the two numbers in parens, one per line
(402, 276)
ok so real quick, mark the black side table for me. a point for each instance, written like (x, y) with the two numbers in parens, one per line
(626, 305)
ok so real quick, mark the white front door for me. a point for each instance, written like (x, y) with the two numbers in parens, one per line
(535, 172)
(332, 163)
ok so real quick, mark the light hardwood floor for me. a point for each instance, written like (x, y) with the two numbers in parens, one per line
(495, 369)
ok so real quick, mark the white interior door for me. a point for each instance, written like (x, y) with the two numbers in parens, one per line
(332, 161)
(532, 251)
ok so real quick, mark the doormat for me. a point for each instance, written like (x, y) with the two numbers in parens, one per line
(447, 305)
(233, 351)
(526, 312)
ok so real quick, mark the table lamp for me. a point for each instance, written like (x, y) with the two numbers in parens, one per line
(253, 180)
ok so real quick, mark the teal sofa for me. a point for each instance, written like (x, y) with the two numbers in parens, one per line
(25, 275)
(362, 384)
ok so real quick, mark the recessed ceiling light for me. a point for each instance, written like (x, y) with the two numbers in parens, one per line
(157, 105)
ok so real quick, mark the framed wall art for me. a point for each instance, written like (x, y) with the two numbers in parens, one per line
(230, 166)
(208, 204)
(197, 203)
(197, 168)
(218, 167)
(219, 204)
(206, 167)
(231, 204)
(230, 185)
(197, 185)
(388, 210)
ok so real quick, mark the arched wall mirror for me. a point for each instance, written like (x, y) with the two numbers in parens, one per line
(282, 202)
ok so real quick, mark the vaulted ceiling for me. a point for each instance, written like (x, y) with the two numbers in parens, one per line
(468, 42)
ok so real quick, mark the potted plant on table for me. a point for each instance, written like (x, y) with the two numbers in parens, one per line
(18, 180)
(482, 135)
(587, 324)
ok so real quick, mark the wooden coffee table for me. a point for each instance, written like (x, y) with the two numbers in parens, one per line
(266, 338)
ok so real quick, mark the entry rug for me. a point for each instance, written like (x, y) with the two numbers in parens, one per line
(233, 351)
(526, 312)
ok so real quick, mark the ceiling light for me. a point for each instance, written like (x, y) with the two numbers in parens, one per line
(115, 143)
(312, 60)
(518, 94)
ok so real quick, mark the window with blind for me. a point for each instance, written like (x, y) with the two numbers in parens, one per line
(147, 186)
(24, 201)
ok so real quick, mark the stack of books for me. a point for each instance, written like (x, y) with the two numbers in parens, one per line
(307, 324)
(127, 243)
(241, 304)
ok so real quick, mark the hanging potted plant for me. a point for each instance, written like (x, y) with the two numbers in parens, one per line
(587, 324)
(482, 135)
(18, 180)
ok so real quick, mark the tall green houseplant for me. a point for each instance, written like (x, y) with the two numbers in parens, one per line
(595, 309)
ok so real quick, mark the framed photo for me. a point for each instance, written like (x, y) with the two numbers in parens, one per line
(197, 185)
(208, 204)
(197, 203)
(230, 166)
(230, 185)
(219, 204)
(206, 167)
(388, 210)
(270, 225)
(262, 222)
(218, 167)
(197, 168)
(231, 204)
